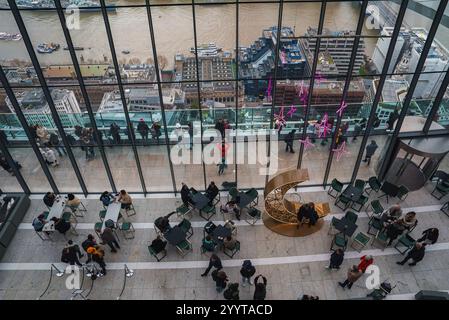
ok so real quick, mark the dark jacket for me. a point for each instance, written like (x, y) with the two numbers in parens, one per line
(62, 226)
(212, 191)
(69, 255)
(220, 127)
(54, 140)
(87, 244)
(417, 254)
(260, 291)
(142, 127)
(432, 236)
(248, 269)
(107, 235)
(49, 201)
(232, 292)
(185, 194)
(158, 245)
(215, 263)
(370, 149)
(337, 259)
(289, 137)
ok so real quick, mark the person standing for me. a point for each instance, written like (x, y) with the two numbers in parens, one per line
(247, 271)
(354, 273)
(221, 279)
(221, 166)
(260, 290)
(156, 131)
(190, 125)
(430, 236)
(370, 150)
(98, 257)
(185, 194)
(114, 130)
(212, 191)
(109, 238)
(143, 129)
(392, 119)
(336, 259)
(215, 262)
(232, 292)
(220, 127)
(416, 254)
(88, 243)
(69, 256)
(289, 141)
(365, 262)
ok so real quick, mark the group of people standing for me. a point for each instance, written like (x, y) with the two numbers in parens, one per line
(231, 289)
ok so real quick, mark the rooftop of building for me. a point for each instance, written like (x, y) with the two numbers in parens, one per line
(68, 71)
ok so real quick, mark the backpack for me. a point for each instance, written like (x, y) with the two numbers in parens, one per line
(260, 292)
(214, 274)
(230, 293)
(64, 257)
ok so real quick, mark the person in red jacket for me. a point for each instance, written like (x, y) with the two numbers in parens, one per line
(365, 262)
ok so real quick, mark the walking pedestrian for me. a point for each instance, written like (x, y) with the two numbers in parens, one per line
(69, 255)
(289, 141)
(215, 262)
(336, 259)
(156, 131)
(190, 125)
(109, 238)
(416, 254)
(370, 150)
(221, 166)
(221, 279)
(430, 236)
(88, 243)
(353, 275)
(247, 271)
(260, 290)
(114, 130)
(143, 129)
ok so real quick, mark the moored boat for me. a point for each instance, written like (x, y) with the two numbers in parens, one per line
(47, 47)
(10, 36)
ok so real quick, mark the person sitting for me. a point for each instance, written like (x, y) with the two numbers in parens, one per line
(185, 195)
(394, 230)
(208, 244)
(158, 244)
(231, 207)
(106, 198)
(73, 201)
(39, 223)
(229, 243)
(307, 212)
(125, 199)
(163, 224)
(409, 220)
(212, 191)
(61, 225)
(393, 214)
(49, 199)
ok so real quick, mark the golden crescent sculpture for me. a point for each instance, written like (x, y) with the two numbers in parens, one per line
(280, 213)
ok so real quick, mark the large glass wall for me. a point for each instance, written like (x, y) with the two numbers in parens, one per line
(213, 65)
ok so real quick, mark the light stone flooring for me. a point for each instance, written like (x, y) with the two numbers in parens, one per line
(293, 266)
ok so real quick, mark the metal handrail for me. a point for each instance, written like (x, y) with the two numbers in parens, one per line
(58, 274)
(128, 274)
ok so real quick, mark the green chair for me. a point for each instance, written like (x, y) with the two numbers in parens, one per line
(231, 253)
(445, 208)
(336, 186)
(208, 211)
(360, 241)
(127, 228)
(405, 241)
(183, 211)
(375, 224)
(360, 184)
(332, 230)
(130, 211)
(46, 213)
(373, 185)
(339, 241)
(155, 254)
(360, 203)
(343, 200)
(97, 228)
(70, 218)
(231, 226)
(377, 209)
(402, 193)
(78, 210)
(233, 192)
(441, 189)
(253, 215)
(381, 238)
(351, 216)
(217, 199)
(102, 214)
(186, 226)
(253, 194)
(184, 247)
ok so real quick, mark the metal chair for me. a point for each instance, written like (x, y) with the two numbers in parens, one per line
(68, 217)
(339, 241)
(377, 209)
(209, 227)
(360, 184)
(253, 215)
(184, 247)
(445, 208)
(373, 185)
(209, 211)
(351, 216)
(406, 241)
(344, 200)
(360, 241)
(233, 192)
(78, 210)
(231, 253)
(253, 194)
(102, 214)
(186, 226)
(336, 186)
(231, 226)
(376, 224)
(97, 228)
(130, 209)
(127, 228)
(402, 193)
(183, 211)
(441, 189)
(156, 254)
(381, 238)
(332, 230)
(360, 203)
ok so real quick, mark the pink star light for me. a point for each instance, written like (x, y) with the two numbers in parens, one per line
(342, 108)
(341, 150)
(291, 111)
(280, 118)
(324, 128)
(307, 143)
(270, 87)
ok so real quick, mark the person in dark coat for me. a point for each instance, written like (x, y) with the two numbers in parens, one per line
(98, 257)
(220, 127)
(336, 259)
(109, 238)
(394, 230)
(212, 191)
(49, 199)
(69, 255)
(220, 279)
(370, 150)
(88, 243)
(302, 213)
(289, 141)
(61, 225)
(232, 292)
(260, 290)
(114, 130)
(156, 131)
(55, 143)
(185, 195)
(247, 271)
(143, 129)
(190, 125)
(215, 262)
(416, 254)
(392, 119)
(158, 244)
(430, 236)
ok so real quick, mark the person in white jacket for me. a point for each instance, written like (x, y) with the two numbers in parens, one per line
(50, 156)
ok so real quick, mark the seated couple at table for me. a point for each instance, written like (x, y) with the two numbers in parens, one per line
(59, 224)
(209, 244)
(123, 197)
(231, 207)
(307, 214)
(186, 197)
(394, 225)
(163, 223)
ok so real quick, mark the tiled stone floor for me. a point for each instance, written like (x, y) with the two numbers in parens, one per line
(293, 266)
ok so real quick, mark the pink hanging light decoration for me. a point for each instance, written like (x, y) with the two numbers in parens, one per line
(291, 111)
(307, 143)
(341, 150)
(343, 106)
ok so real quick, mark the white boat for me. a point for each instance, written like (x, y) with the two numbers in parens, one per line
(206, 50)
(10, 36)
